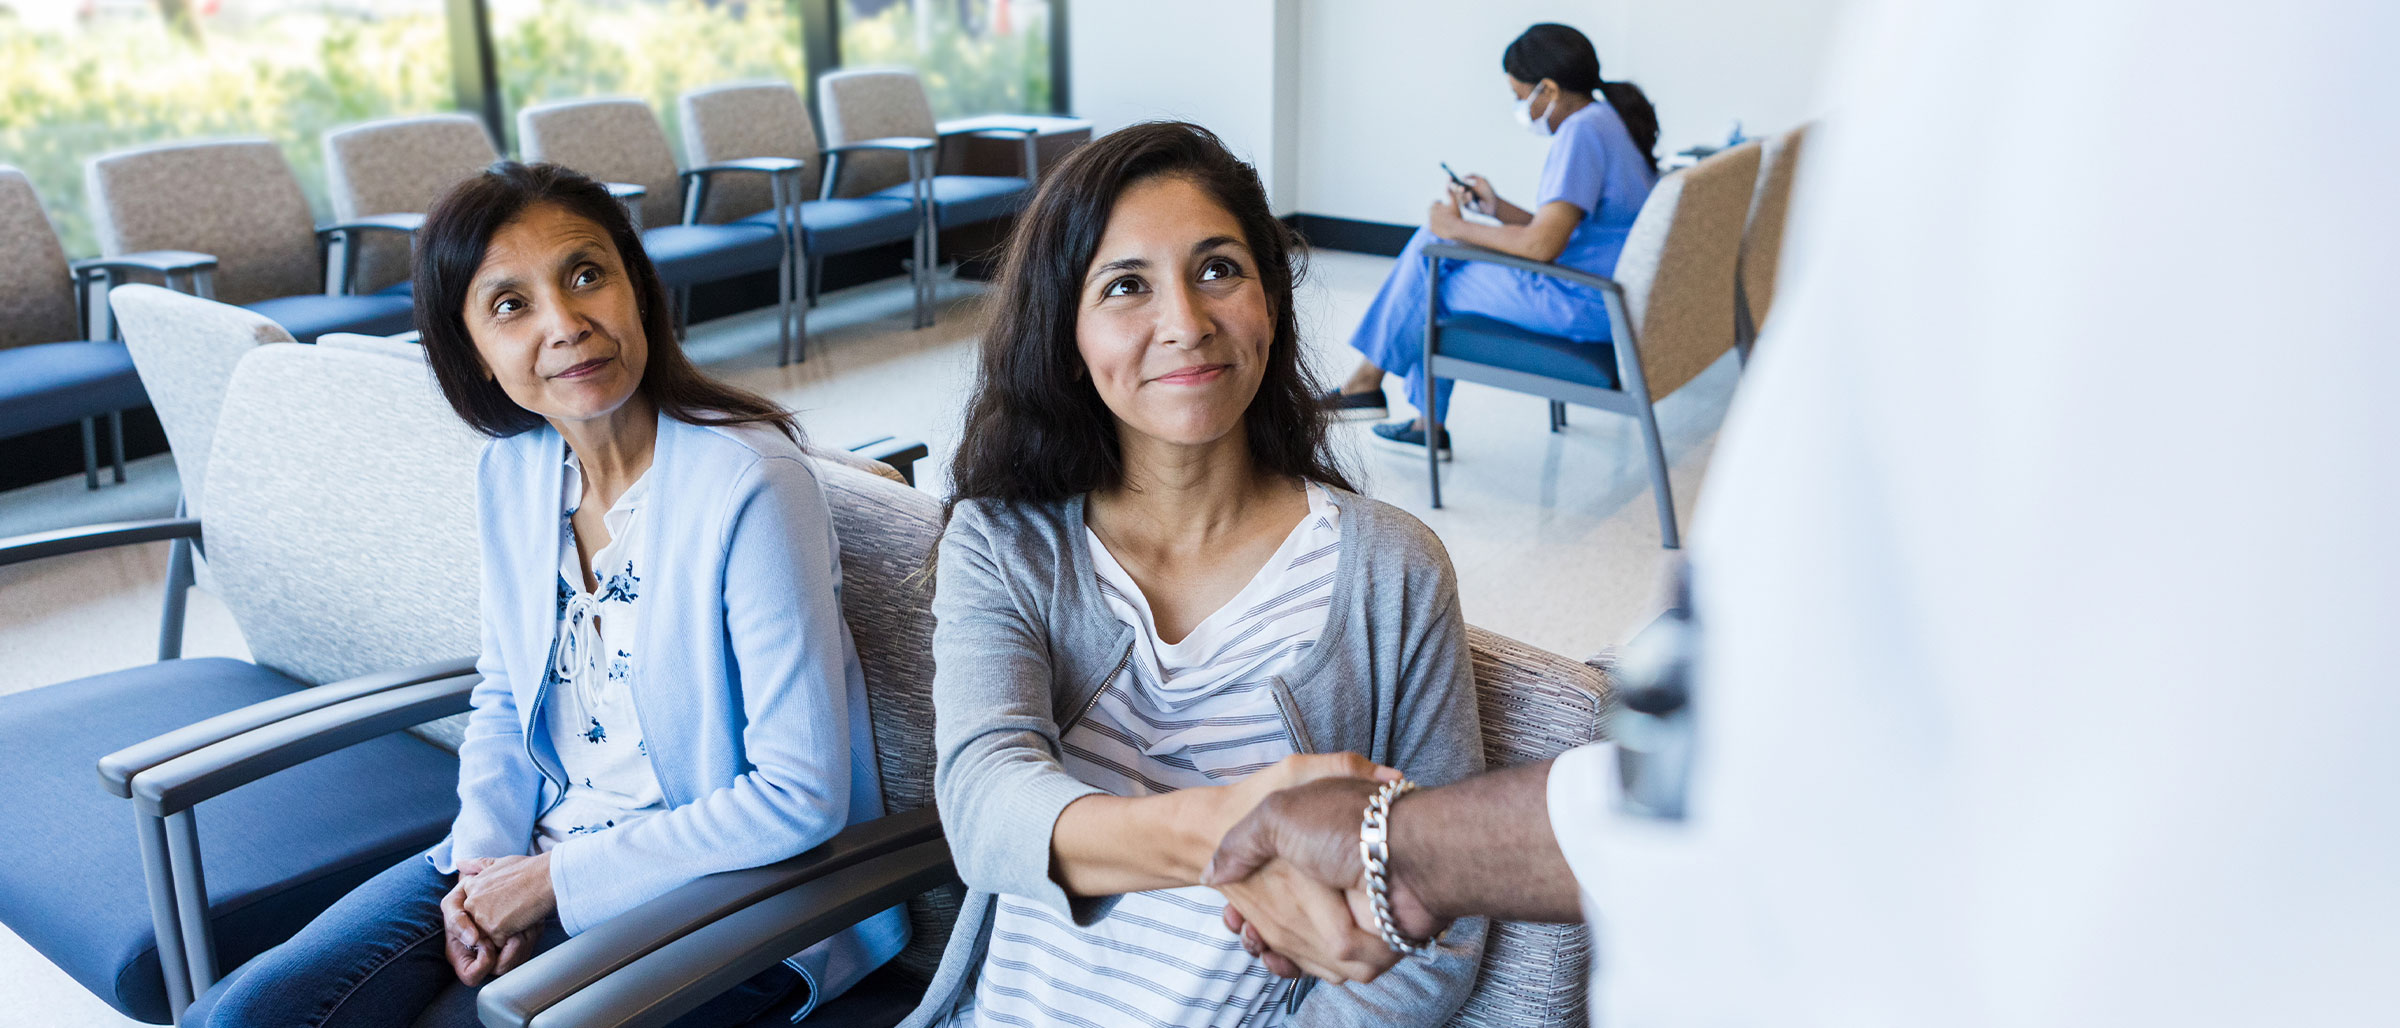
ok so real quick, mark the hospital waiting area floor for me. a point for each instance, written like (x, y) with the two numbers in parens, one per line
(1555, 536)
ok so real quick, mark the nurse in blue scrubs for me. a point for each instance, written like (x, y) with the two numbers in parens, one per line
(1594, 180)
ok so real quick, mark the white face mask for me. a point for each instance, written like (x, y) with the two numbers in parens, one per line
(1524, 112)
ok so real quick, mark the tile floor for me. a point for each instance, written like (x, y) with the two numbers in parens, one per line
(1554, 535)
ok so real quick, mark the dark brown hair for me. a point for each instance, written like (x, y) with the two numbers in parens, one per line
(1036, 428)
(450, 248)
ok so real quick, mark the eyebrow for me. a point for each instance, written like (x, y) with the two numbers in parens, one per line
(1139, 263)
(579, 255)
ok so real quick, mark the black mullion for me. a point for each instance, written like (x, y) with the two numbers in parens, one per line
(821, 42)
(1059, 100)
(474, 73)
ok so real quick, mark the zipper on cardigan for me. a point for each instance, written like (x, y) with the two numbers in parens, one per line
(1122, 663)
(558, 789)
(1288, 708)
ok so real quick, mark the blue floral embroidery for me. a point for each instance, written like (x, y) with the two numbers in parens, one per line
(589, 829)
(620, 585)
(597, 733)
(619, 666)
(565, 592)
(641, 746)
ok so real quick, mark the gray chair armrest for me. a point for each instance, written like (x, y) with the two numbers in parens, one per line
(900, 454)
(86, 538)
(164, 262)
(559, 975)
(670, 980)
(117, 770)
(763, 165)
(884, 143)
(919, 150)
(696, 180)
(403, 223)
(1464, 252)
(212, 770)
(630, 197)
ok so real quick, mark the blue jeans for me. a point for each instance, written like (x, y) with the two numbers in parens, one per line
(1392, 335)
(375, 960)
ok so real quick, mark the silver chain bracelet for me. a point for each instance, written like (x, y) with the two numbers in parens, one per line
(1375, 851)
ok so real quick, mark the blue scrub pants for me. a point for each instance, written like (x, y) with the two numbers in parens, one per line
(1393, 333)
(375, 960)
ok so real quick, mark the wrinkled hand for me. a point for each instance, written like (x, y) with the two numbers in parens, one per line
(507, 897)
(471, 953)
(1312, 829)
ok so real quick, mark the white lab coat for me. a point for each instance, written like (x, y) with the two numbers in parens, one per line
(2049, 568)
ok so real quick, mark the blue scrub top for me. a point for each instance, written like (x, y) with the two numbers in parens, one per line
(1594, 165)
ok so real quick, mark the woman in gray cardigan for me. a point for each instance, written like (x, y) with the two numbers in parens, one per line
(1158, 602)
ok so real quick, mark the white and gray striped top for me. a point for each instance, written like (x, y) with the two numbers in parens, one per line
(1197, 712)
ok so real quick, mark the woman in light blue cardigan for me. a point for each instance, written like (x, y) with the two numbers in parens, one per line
(668, 688)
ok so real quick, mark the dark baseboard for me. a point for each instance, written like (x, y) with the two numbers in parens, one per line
(1327, 233)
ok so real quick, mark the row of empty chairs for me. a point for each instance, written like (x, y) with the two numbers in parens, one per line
(1696, 279)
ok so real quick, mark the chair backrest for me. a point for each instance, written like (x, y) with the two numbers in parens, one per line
(1762, 241)
(610, 139)
(235, 199)
(399, 166)
(186, 349)
(756, 118)
(341, 513)
(1678, 266)
(37, 295)
(1534, 705)
(873, 104)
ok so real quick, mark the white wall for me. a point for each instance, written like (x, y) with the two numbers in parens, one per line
(1347, 105)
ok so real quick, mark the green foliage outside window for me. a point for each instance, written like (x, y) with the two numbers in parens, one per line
(974, 56)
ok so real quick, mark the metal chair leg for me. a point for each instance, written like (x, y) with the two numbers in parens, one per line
(683, 312)
(91, 457)
(191, 899)
(1658, 477)
(116, 443)
(164, 924)
(1558, 415)
(816, 279)
(171, 606)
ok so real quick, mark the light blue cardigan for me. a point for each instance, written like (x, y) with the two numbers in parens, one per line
(747, 687)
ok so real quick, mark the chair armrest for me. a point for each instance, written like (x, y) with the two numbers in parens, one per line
(670, 980)
(901, 455)
(164, 262)
(605, 949)
(885, 143)
(118, 769)
(629, 196)
(990, 131)
(913, 146)
(762, 165)
(696, 181)
(86, 538)
(219, 767)
(403, 223)
(1464, 252)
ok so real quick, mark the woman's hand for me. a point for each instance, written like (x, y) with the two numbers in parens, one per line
(507, 897)
(1298, 925)
(1236, 801)
(1484, 199)
(1443, 218)
(471, 953)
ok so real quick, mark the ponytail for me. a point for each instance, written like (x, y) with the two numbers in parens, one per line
(1641, 119)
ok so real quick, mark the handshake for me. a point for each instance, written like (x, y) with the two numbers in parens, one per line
(1291, 872)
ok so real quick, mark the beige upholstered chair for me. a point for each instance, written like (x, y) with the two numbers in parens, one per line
(737, 121)
(619, 141)
(1762, 241)
(238, 201)
(398, 166)
(1670, 312)
(53, 371)
(1533, 704)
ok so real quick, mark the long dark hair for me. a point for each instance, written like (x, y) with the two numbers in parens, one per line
(1036, 429)
(1563, 55)
(450, 248)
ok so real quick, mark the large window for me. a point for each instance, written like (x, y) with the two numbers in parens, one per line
(80, 78)
(975, 56)
(651, 49)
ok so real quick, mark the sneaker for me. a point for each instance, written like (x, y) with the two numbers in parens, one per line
(1405, 436)
(1357, 406)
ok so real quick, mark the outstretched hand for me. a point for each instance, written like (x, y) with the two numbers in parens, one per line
(1308, 833)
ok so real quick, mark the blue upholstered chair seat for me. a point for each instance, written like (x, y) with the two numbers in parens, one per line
(686, 254)
(307, 317)
(50, 384)
(967, 199)
(1473, 337)
(405, 287)
(276, 851)
(849, 225)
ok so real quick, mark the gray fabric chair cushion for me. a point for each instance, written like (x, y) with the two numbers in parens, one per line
(186, 349)
(1492, 341)
(399, 166)
(613, 140)
(309, 316)
(275, 852)
(37, 296)
(235, 199)
(873, 104)
(736, 120)
(968, 199)
(51, 384)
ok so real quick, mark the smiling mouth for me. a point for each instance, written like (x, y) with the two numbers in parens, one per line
(1194, 375)
(585, 368)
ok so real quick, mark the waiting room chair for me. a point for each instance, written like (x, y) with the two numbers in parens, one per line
(392, 171)
(238, 201)
(667, 956)
(619, 141)
(1762, 238)
(767, 118)
(55, 368)
(890, 104)
(341, 536)
(1670, 313)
